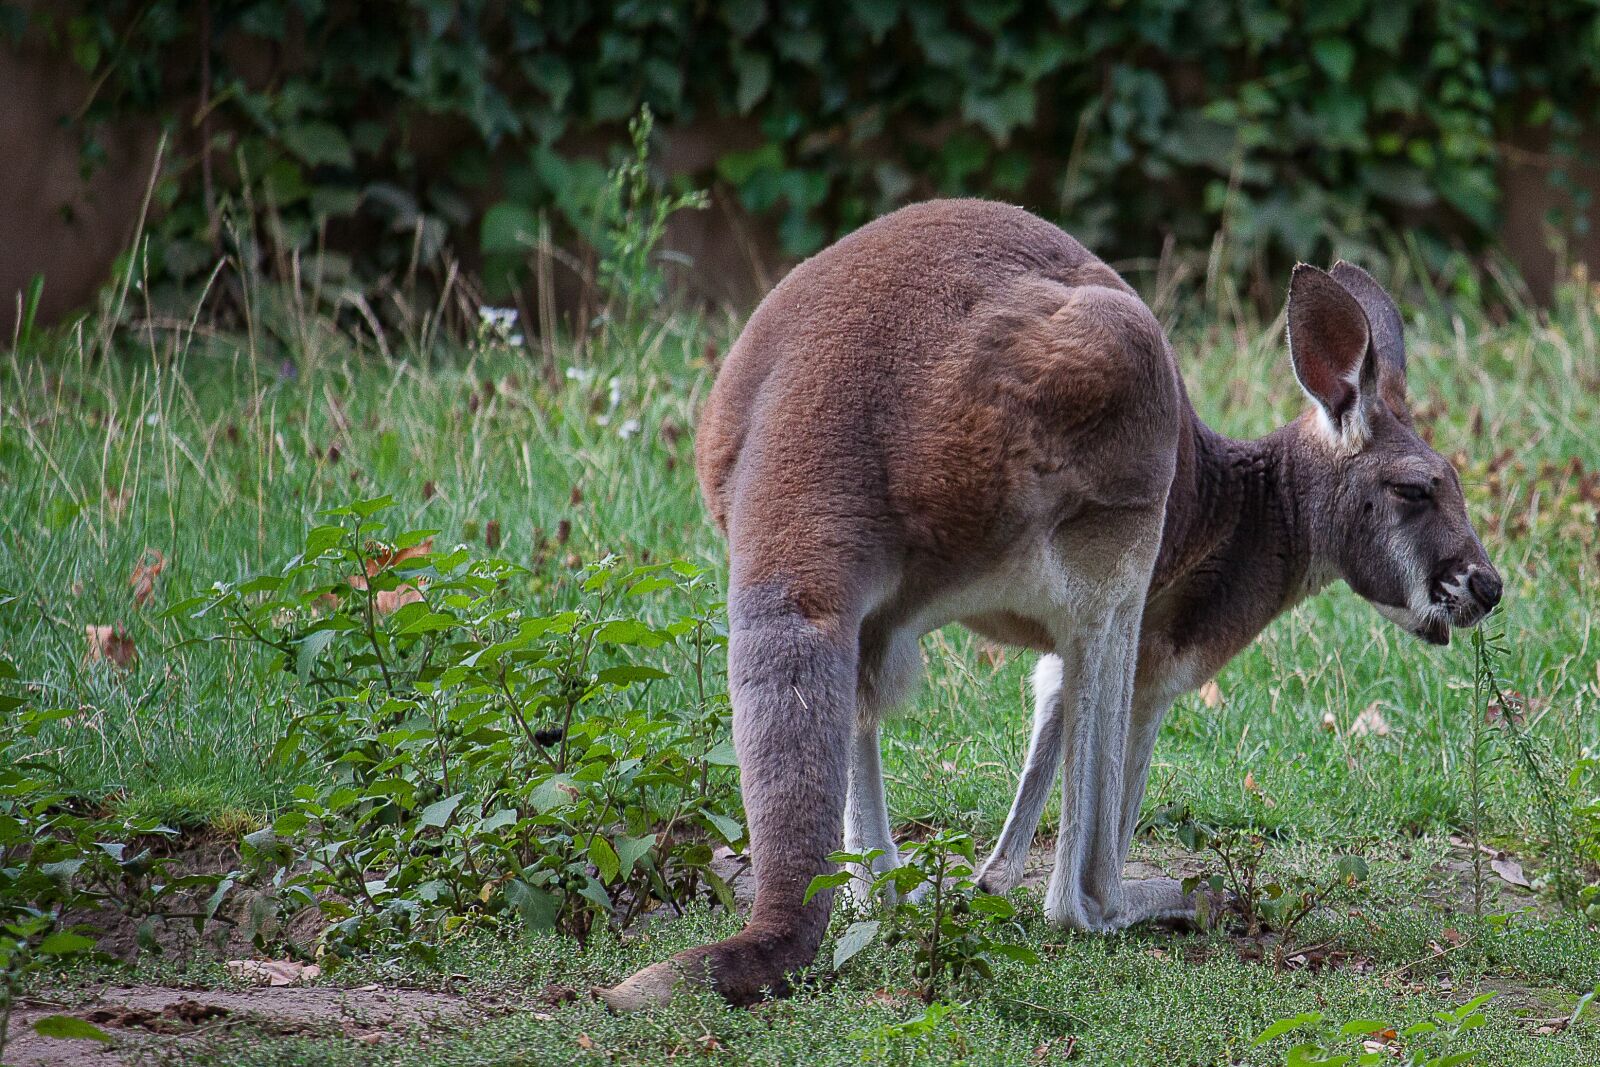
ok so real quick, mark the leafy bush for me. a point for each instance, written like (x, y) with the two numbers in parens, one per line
(1368, 1042)
(383, 132)
(473, 761)
(931, 902)
(1264, 902)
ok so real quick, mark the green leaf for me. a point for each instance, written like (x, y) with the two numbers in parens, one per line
(989, 904)
(631, 849)
(878, 16)
(498, 821)
(319, 539)
(1000, 113)
(62, 943)
(604, 858)
(1336, 56)
(508, 227)
(1283, 1026)
(596, 894)
(857, 936)
(723, 755)
(1362, 1026)
(1352, 869)
(825, 881)
(71, 1028)
(738, 168)
(61, 870)
(537, 907)
(318, 143)
(744, 17)
(755, 78)
(1015, 953)
(629, 632)
(428, 623)
(628, 673)
(438, 813)
(721, 889)
(553, 792)
(731, 829)
(314, 644)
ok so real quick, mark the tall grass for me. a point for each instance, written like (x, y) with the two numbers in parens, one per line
(216, 447)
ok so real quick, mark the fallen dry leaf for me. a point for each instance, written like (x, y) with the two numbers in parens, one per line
(1057, 1048)
(1211, 694)
(273, 972)
(389, 601)
(1370, 721)
(381, 558)
(1514, 710)
(1510, 871)
(117, 502)
(145, 572)
(110, 644)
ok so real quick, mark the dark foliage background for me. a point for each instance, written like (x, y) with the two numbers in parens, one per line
(385, 132)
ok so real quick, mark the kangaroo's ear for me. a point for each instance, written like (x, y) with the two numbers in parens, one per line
(1388, 340)
(1329, 344)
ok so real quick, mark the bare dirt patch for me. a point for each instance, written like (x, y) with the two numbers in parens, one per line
(146, 1019)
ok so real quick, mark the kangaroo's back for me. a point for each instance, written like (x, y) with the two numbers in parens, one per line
(831, 357)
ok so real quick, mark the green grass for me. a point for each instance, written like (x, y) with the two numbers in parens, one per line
(218, 452)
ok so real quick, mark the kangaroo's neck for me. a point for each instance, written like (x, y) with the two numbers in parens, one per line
(1236, 550)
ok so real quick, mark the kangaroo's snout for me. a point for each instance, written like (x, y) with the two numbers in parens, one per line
(1468, 591)
(1485, 586)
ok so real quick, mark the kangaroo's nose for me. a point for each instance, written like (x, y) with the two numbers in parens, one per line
(1484, 583)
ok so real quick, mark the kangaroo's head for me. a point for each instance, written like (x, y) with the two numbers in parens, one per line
(1385, 511)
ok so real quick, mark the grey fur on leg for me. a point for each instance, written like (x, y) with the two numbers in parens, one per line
(1085, 890)
(793, 686)
(866, 812)
(1004, 869)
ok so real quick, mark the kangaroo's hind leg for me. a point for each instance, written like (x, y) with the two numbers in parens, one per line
(1099, 655)
(888, 667)
(1003, 871)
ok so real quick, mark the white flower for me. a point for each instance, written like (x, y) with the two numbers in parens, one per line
(498, 318)
(629, 428)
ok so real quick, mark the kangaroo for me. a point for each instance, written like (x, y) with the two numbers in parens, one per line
(959, 414)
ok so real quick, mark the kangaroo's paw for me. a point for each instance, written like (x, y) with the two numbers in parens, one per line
(650, 988)
(1157, 900)
(1001, 874)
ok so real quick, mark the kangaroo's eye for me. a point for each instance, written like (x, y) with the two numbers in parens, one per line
(1411, 491)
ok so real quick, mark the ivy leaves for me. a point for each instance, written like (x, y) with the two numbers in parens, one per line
(1286, 124)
